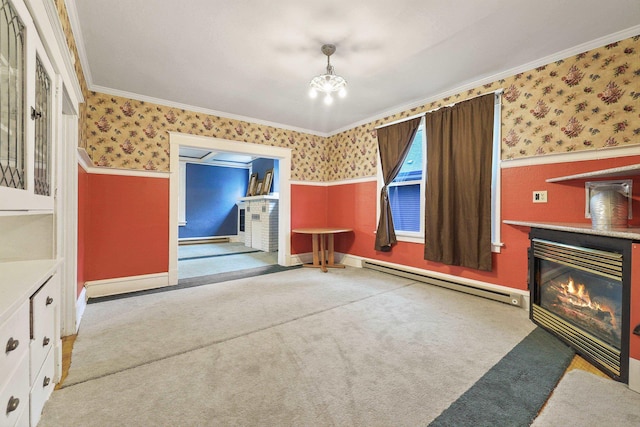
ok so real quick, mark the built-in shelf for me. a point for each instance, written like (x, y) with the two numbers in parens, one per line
(632, 170)
(632, 233)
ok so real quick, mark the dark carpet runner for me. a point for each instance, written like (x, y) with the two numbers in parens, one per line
(202, 280)
(513, 391)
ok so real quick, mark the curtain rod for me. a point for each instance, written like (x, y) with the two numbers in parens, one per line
(404, 119)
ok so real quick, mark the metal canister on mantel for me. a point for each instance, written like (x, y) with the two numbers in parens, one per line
(609, 205)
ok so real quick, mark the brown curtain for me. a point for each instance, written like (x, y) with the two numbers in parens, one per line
(393, 144)
(458, 191)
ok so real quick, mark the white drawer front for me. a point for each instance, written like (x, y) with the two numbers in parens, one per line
(43, 323)
(42, 388)
(23, 419)
(14, 397)
(14, 342)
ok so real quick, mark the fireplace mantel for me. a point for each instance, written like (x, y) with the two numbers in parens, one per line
(261, 221)
(631, 233)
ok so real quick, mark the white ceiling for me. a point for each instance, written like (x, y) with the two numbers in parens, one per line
(253, 59)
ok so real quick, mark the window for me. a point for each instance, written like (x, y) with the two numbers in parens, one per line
(406, 192)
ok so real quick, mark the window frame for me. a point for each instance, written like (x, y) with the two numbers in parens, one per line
(418, 237)
(413, 236)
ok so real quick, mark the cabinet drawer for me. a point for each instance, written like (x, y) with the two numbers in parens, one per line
(23, 418)
(14, 397)
(42, 388)
(43, 323)
(14, 342)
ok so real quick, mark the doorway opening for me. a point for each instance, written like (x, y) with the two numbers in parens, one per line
(282, 155)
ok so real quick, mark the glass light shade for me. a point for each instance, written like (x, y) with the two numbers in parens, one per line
(328, 99)
(328, 83)
(313, 93)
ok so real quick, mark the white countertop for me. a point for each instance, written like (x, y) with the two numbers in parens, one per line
(631, 233)
(19, 280)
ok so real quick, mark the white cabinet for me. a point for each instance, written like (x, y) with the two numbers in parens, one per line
(44, 334)
(14, 366)
(27, 109)
(30, 339)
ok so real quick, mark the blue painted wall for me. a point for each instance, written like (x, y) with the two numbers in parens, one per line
(260, 166)
(211, 196)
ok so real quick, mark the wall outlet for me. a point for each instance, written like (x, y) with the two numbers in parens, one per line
(539, 197)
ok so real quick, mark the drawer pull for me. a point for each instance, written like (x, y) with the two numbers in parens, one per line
(11, 345)
(49, 301)
(46, 381)
(13, 404)
(45, 341)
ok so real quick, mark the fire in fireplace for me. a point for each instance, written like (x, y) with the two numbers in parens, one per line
(579, 293)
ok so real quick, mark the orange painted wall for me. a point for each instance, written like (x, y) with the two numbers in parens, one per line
(83, 184)
(354, 205)
(127, 226)
(308, 209)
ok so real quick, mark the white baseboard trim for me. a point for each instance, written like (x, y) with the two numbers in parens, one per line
(298, 259)
(121, 285)
(340, 258)
(349, 260)
(173, 277)
(81, 305)
(205, 239)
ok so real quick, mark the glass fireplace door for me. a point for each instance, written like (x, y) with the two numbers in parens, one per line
(581, 294)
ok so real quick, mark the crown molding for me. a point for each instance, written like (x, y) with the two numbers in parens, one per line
(195, 109)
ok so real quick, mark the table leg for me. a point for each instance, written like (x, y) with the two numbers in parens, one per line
(323, 263)
(314, 244)
(330, 248)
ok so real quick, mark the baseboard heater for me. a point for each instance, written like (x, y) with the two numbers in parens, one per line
(505, 297)
(197, 241)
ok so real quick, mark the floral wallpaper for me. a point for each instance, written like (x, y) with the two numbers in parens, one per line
(588, 101)
(125, 133)
(71, 43)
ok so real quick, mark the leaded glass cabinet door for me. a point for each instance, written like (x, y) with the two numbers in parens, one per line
(12, 93)
(41, 114)
(27, 108)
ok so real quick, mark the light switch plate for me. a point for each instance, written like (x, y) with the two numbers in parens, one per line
(539, 197)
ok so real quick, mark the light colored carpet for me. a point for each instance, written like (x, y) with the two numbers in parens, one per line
(350, 347)
(586, 400)
(212, 249)
(223, 264)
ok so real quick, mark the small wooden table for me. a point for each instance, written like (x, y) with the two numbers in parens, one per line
(319, 233)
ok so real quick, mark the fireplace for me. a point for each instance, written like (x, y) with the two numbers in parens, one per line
(580, 291)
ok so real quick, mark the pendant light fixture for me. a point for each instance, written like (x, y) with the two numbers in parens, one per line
(329, 82)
